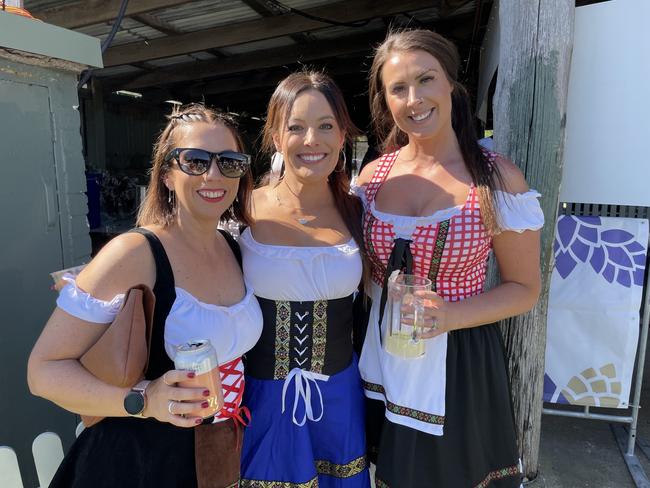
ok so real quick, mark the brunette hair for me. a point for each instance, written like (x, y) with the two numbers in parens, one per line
(484, 173)
(158, 208)
(349, 207)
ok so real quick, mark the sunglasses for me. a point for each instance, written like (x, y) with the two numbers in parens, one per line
(196, 162)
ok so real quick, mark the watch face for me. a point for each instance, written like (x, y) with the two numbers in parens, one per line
(134, 403)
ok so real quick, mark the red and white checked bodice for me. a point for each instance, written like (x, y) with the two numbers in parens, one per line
(453, 253)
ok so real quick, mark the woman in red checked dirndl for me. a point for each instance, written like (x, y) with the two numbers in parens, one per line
(437, 205)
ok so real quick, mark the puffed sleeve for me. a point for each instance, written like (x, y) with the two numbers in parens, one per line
(82, 305)
(519, 212)
(360, 191)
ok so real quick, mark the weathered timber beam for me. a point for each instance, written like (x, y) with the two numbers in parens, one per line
(90, 12)
(256, 30)
(256, 60)
(530, 103)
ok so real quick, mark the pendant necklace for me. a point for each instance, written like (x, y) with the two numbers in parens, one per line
(301, 220)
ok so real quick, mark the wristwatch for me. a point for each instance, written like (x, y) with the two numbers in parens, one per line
(136, 399)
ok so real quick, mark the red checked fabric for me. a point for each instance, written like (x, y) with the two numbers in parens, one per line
(453, 253)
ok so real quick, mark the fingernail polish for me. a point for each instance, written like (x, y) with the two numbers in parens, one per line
(198, 421)
(205, 404)
(206, 392)
(191, 374)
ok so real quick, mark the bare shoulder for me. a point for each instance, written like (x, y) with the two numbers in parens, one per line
(366, 173)
(124, 262)
(512, 176)
(262, 201)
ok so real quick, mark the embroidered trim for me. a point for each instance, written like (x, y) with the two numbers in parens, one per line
(441, 238)
(282, 336)
(312, 483)
(379, 270)
(348, 470)
(374, 387)
(428, 418)
(319, 330)
(499, 474)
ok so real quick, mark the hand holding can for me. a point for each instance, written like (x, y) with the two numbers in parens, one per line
(201, 357)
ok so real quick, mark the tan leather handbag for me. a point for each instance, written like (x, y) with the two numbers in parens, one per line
(120, 356)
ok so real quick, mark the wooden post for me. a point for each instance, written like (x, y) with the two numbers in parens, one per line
(529, 122)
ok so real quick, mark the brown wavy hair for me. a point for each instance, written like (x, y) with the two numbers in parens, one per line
(156, 208)
(485, 175)
(349, 206)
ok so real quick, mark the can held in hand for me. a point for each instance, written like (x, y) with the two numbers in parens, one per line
(201, 357)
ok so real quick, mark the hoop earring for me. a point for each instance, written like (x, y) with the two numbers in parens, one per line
(171, 200)
(345, 162)
(277, 164)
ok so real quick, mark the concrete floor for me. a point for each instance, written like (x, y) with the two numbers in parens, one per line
(577, 453)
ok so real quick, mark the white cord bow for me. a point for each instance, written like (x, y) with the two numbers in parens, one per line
(303, 380)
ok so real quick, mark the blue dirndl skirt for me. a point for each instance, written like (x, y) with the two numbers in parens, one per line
(309, 444)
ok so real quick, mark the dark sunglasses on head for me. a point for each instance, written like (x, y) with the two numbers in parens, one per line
(196, 162)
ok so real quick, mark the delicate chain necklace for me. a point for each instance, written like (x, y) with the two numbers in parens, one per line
(304, 220)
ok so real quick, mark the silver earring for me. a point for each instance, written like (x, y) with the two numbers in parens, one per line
(277, 163)
(171, 199)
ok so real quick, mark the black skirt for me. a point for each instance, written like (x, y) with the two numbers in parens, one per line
(129, 453)
(478, 448)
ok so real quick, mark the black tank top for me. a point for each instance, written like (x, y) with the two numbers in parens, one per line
(165, 291)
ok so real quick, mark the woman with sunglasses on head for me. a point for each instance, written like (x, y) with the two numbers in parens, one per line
(199, 177)
(436, 205)
(302, 257)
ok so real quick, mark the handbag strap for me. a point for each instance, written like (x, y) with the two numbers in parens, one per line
(164, 273)
(165, 292)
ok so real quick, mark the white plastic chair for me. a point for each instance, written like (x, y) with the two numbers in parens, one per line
(48, 454)
(9, 470)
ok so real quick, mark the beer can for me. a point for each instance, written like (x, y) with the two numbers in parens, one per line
(196, 355)
(199, 356)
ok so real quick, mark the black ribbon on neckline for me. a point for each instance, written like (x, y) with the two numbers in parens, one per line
(402, 259)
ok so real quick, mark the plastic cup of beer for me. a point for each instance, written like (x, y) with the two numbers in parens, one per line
(405, 316)
(201, 357)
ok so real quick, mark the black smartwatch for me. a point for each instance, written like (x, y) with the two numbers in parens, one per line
(136, 399)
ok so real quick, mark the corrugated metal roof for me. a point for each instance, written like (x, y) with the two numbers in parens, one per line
(44, 4)
(305, 4)
(199, 15)
(130, 31)
(205, 14)
(337, 32)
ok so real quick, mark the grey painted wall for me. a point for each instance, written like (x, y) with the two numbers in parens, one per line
(43, 228)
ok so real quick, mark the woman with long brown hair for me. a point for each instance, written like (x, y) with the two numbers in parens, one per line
(436, 205)
(200, 176)
(302, 257)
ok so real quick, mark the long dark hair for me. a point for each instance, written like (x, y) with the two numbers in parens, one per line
(349, 207)
(157, 207)
(485, 175)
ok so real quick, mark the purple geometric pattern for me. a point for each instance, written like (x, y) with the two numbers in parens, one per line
(613, 254)
(550, 389)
